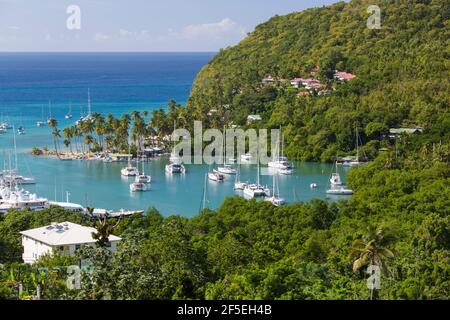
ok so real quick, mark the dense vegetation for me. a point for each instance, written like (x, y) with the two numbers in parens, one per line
(402, 76)
(398, 218)
(251, 250)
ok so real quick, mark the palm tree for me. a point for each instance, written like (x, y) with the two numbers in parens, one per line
(104, 229)
(370, 250)
(88, 141)
(53, 123)
(68, 135)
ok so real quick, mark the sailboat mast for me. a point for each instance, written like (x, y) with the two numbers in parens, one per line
(89, 102)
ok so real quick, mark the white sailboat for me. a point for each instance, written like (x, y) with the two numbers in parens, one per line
(41, 123)
(175, 164)
(276, 199)
(138, 186)
(238, 185)
(280, 162)
(356, 162)
(216, 176)
(226, 168)
(129, 170)
(49, 112)
(14, 198)
(256, 190)
(69, 115)
(142, 177)
(336, 185)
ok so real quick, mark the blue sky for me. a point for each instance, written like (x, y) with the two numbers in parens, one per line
(136, 25)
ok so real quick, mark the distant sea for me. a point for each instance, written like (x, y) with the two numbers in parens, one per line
(119, 83)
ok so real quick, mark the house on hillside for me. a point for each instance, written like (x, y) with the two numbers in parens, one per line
(343, 76)
(65, 238)
(268, 80)
(252, 118)
(395, 132)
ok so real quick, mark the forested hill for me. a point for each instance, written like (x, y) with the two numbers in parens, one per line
(402, 76)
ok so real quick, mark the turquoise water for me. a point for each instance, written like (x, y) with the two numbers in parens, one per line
(119, 83)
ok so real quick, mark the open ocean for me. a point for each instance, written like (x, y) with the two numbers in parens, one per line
(119, 83)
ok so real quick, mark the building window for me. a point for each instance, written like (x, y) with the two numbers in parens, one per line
(61, 248)
(108, 244)
(77, 247)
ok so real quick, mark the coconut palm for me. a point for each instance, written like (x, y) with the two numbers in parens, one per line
(370, 250)
(68, 135)
(53, 123)
(104, 229)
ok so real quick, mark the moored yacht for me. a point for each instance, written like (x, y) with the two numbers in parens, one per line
(336, 185)
(19, 199)
(175, 168)
(138, 186)
(142, 177)
(246, 157)
(129, 170)
(256, 190)
(275, 199)
(216, 176)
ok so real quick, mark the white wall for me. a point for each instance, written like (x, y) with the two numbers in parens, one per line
(33, 250)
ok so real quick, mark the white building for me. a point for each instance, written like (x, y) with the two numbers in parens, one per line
(63, 237)
(253, 118)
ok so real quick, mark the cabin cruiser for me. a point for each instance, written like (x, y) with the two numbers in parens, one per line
(21, 130)
(19, 199)
(5, 125)
(40, 124)
(2, 130)
(281, 163)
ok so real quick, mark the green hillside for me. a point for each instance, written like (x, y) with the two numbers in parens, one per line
(402, 76)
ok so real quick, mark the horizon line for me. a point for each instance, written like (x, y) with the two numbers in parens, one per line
(1, 52)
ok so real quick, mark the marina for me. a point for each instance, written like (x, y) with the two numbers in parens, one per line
(97, 181)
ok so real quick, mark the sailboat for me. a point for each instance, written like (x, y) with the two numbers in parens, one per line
(356, 162)
(275, 199)
(89, 116)
(14, 198)
(49, 112)
(280, 162)
(238, 185)
(142, 177)
(226, 168)
(204, 204)
(256, 190)
(21, 129)
(129, 171)
(336, 185)
(175, 164)
(69, 115)
(41, 122)
(216, 176)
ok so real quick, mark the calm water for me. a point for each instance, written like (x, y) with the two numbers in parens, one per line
(119, 83)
